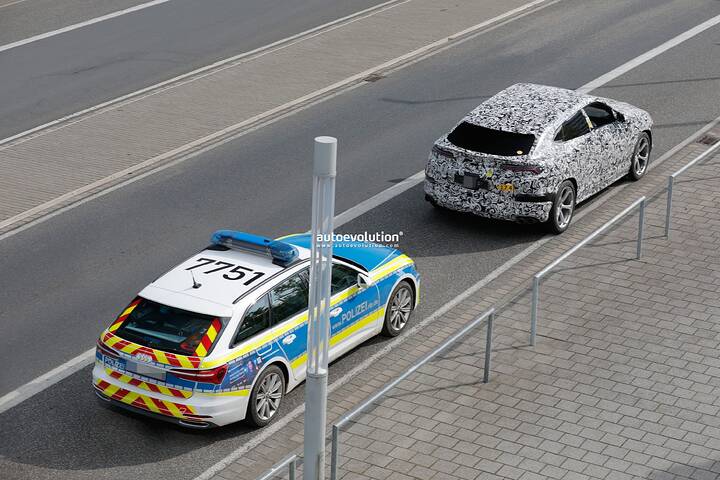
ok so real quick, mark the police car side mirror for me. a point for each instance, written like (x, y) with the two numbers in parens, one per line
(363, 281)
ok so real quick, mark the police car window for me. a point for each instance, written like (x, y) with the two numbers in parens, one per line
(599, 114)
(342, 277)
(575, 127)
(165, 328)
(290, 297)
(256, 319)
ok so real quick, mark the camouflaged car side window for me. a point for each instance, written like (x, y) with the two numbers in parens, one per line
(575, 127)
(599, 114)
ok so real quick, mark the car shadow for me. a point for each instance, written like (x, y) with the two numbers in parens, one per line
(66, 428)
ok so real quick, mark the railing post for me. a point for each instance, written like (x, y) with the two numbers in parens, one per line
(534, 309)
(668, 209)
(641, 227)
(334, 452)
(488, 347)
(291, 469)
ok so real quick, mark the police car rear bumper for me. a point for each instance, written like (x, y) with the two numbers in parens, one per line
(201, 410)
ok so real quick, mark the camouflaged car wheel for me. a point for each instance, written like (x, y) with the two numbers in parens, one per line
(398, 310)
(563, 208)
(266, 396)
(640, 158)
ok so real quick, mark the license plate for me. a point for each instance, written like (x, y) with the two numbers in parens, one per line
(114, 363)
(146, 370)
(470, 181)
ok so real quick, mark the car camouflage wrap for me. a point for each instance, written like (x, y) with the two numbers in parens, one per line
(212, 386)
(521, 185)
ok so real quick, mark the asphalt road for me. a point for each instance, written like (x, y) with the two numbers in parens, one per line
(54, 77)
(67, 277)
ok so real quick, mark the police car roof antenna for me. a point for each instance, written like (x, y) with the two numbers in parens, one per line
(195, 283)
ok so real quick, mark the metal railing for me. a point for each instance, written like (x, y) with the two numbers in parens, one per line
(290, 462)
(536, 279)
(671, 182)
(489, 315)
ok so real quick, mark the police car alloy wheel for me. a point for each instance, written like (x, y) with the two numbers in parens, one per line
(563, 208)
(398, 311)
(266, 396)
(641, 157)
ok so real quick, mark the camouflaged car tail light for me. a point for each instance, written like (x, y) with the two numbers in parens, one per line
(444, 152)
(522, 168)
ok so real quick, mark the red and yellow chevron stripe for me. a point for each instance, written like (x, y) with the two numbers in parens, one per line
(212, 332)
(150, 387)
(165, 358)
(128, 310)
(163, 407)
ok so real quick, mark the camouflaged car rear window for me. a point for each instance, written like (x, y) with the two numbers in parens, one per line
(493, 142)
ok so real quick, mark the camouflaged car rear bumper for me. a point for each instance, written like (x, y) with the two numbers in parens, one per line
(489, 204)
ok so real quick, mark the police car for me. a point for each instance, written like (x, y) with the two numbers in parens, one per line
(222, 337)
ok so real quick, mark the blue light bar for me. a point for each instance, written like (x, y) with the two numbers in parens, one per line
(282, 253)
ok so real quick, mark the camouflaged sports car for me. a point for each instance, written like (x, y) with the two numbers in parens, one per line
(531, 152)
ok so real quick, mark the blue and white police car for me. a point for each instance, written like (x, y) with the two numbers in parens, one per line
(222, 337)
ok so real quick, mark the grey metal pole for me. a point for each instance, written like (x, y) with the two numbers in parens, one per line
(323, 209)
(534, 309)
(291, 469)
(488, 347)
(334, 452)
(641, 228)
(668, 209)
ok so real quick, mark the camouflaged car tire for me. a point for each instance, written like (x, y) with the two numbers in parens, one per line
(640, 157)
(563, 208)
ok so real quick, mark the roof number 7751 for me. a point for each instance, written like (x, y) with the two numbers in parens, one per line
(237, 272)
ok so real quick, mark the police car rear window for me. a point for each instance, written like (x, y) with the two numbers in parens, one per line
(165, 328)
(494, 142)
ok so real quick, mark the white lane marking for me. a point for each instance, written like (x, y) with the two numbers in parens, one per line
(12, 3)
(649, 55)
(47, 379)
(75, 26)
(21, 394)
(207, 70)
(378, 199)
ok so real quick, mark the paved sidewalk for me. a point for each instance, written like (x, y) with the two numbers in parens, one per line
(624, 381)
(61, 164)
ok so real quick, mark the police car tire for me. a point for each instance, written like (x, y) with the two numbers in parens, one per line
(252, 417)
(388, 329)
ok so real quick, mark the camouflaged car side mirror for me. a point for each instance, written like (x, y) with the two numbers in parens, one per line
(620, 117)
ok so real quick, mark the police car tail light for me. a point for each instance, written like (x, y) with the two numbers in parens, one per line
(107, 351)
(213, 375)
(522, 168)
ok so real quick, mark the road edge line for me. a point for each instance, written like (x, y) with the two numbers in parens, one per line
(75, 26)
